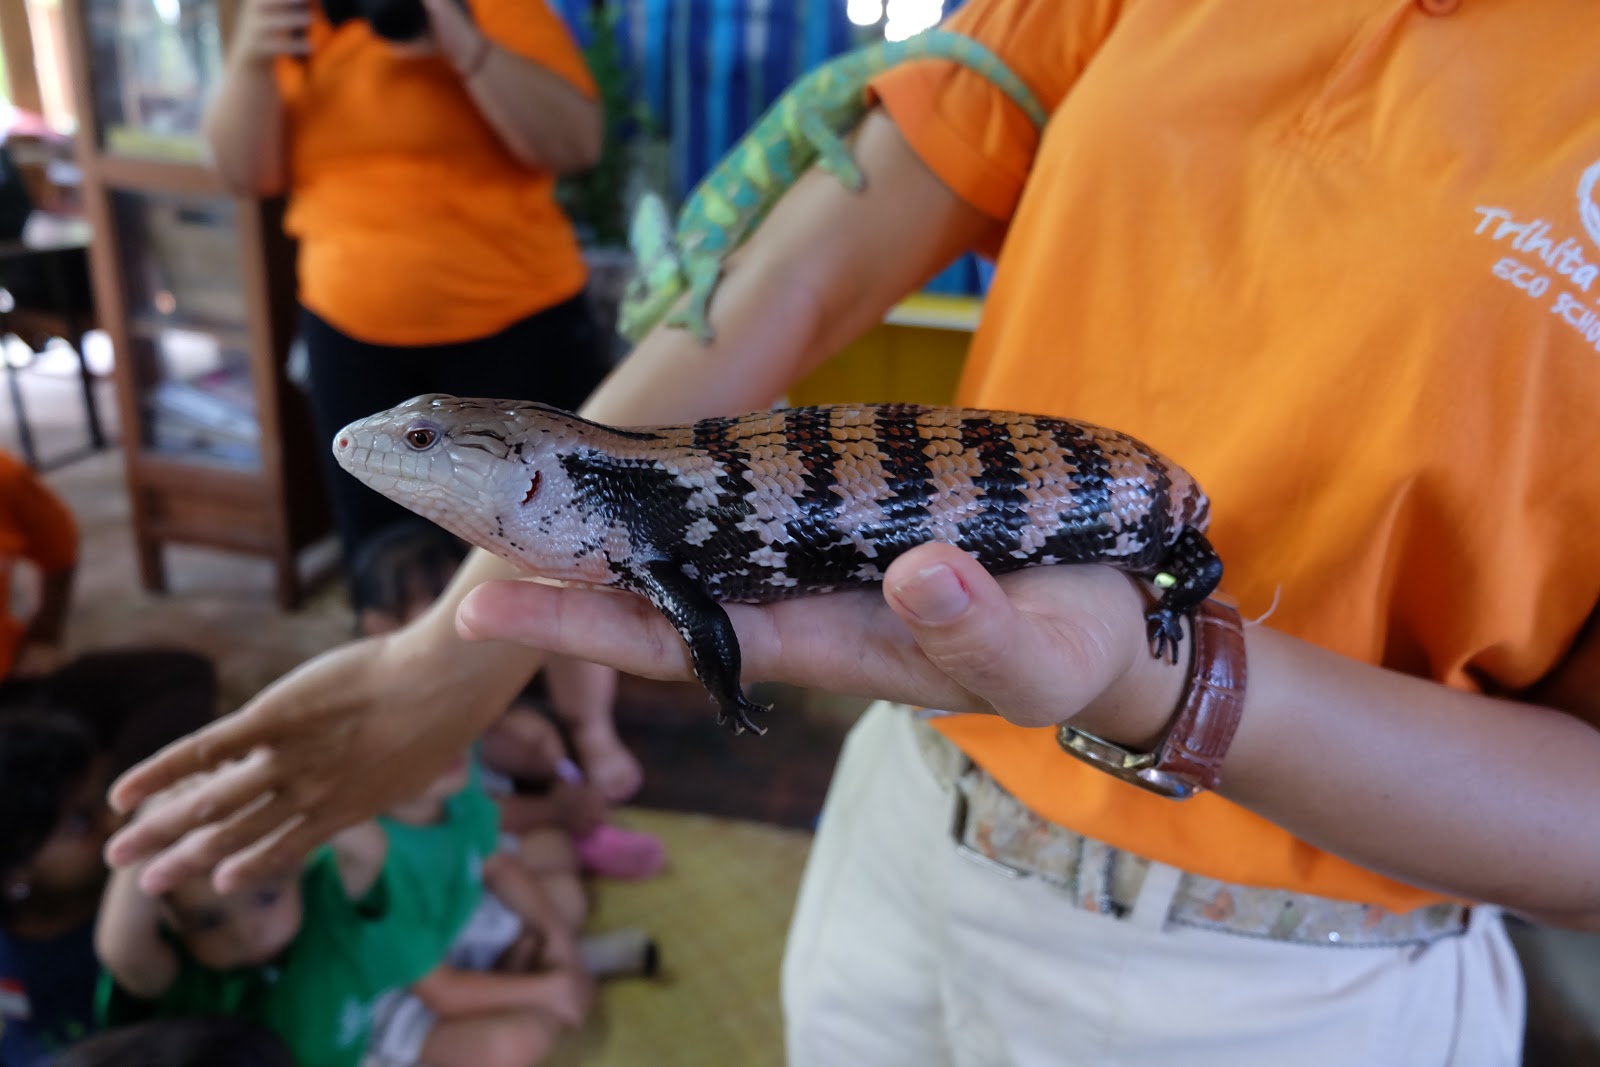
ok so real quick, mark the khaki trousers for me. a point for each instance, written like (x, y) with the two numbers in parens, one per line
(904, 952)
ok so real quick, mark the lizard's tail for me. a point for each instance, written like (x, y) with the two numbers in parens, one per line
(963, 50)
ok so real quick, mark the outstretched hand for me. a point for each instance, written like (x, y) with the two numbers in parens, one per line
(1037, 646)
(366, 725)
(345, 736)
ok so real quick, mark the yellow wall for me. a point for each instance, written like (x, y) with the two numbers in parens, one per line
(914, 356)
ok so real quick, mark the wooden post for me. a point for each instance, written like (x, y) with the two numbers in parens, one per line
(16, 40)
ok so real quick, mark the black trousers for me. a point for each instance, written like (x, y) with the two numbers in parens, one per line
(556, 356)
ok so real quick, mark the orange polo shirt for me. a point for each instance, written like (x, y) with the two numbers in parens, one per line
(1342, 262)
(35, 526)
(416, 226)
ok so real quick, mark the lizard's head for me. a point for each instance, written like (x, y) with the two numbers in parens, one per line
(486, 470)
(658, 277)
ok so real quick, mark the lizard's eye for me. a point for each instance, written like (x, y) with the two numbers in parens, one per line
(421, 436)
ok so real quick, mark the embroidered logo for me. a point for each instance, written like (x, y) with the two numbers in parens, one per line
(1588, 205)
(1545, 263)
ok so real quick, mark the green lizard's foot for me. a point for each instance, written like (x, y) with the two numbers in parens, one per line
(844, 168)
(694, 316)
(833, 155)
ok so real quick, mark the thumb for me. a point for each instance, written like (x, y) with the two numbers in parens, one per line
(1038, 655)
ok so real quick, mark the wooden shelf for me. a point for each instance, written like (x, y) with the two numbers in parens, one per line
(168, 236)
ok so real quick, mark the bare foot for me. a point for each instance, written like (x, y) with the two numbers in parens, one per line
(607, 763)
(566, 993)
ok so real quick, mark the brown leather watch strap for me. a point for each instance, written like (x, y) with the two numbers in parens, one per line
(1189, 757)
(1204, 727)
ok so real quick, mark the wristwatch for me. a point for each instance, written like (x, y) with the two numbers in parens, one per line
(1189, 756)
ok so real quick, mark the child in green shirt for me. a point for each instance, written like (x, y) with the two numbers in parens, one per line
(513, 981)
(308, 954)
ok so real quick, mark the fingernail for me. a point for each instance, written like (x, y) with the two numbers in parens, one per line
(934, 595)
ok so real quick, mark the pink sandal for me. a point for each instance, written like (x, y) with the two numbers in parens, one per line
(613, 852)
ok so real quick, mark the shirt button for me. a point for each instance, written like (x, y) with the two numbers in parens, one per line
(1438, 7)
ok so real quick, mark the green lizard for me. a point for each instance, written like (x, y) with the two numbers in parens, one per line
(806, 125)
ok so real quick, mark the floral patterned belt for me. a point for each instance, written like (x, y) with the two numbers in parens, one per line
(996, 829)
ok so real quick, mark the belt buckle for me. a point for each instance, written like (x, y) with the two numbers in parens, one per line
(958, 833)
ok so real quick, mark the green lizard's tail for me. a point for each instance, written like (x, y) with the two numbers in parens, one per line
(942, 44)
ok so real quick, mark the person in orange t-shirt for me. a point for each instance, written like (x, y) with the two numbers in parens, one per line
(1342, 263)
(134, 699)
(420, 176)
(419, 156)
(36, 528)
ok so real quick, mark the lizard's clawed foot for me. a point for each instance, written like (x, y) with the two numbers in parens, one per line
(1165, 633)
(694, 317)
(735, 712)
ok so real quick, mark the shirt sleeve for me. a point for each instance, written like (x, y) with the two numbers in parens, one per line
(965, 129)
(48, 532)
(535, 31)
(114, 1006)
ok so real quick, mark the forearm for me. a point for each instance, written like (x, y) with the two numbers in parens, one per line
(498, 671)
(1476, 797)
(245, 128)
(126, 939)
(543, 121)
(48, 625)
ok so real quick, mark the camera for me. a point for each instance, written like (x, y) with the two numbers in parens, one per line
(394, 20)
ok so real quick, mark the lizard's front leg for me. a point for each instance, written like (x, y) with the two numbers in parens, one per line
(645, 301)
(833, 155)
(704, 272)
(705, 628)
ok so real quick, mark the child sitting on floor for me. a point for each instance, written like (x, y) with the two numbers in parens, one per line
(307, 954)
(56, 760)
(513, 979)
(558, 818)
(53, 825)
(402, 569)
